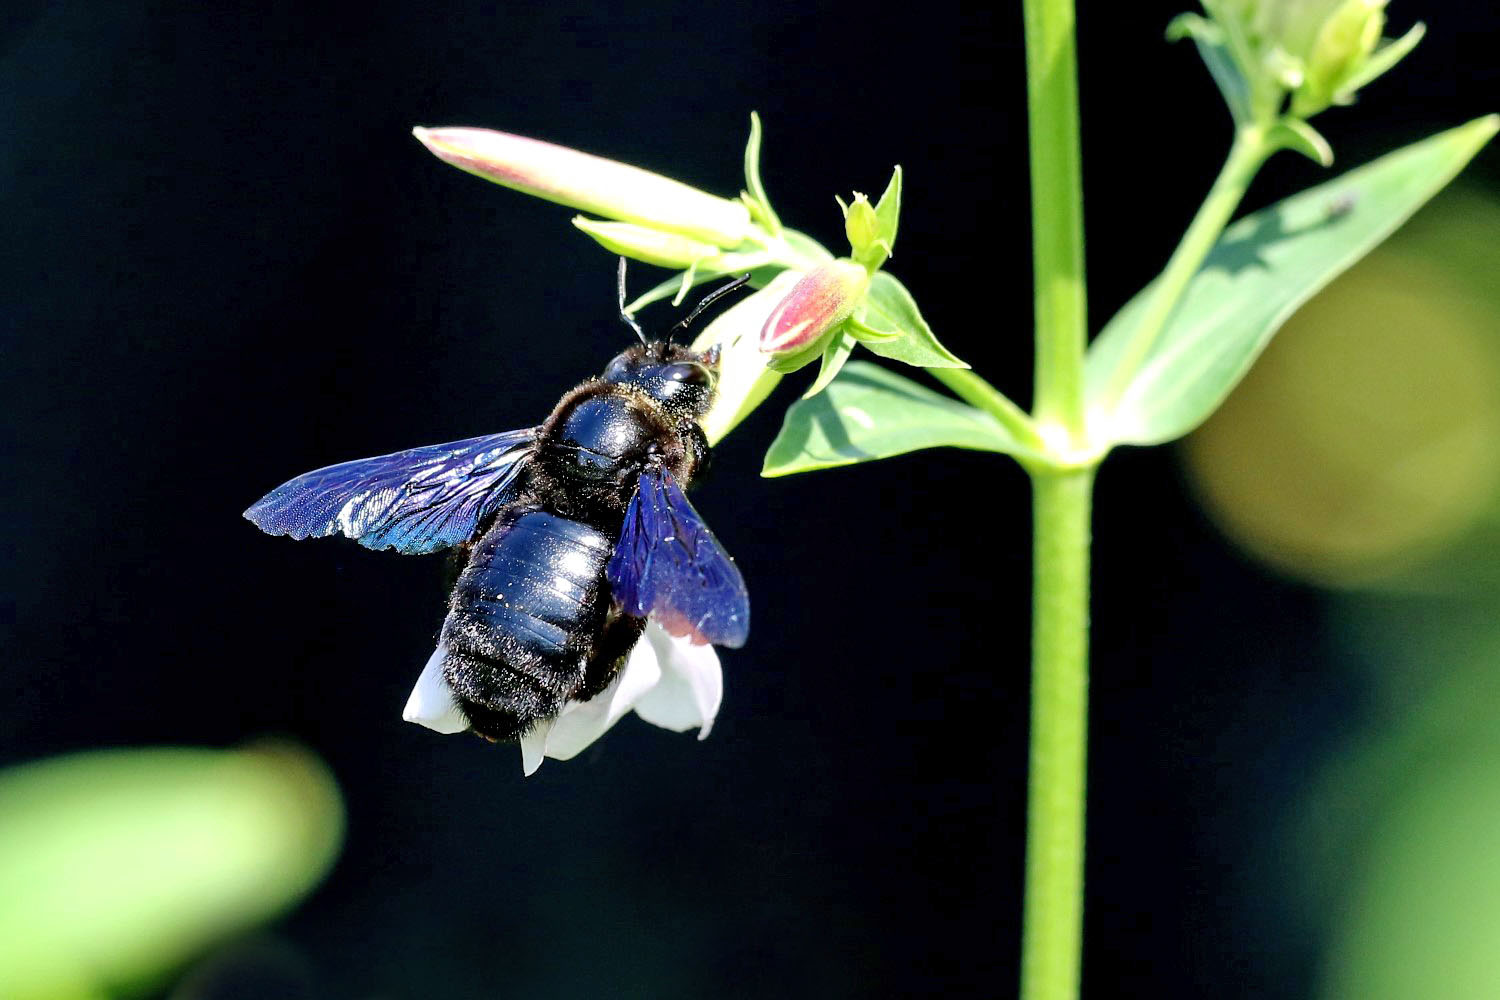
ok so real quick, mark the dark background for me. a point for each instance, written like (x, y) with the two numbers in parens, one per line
(226, 262)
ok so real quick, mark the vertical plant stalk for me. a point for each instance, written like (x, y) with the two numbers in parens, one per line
(1052, 920)
(1056, 214)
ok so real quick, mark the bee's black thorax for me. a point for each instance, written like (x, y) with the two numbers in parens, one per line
(593, 447)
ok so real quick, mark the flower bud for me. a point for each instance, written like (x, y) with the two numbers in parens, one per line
(1291, 25)
(654, 246)
(1343, 43)
(817, 304)
(1318, 51)
(861, 225)
(591, 183)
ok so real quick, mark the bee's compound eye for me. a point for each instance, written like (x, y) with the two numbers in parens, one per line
(620, 369)
(689, 373)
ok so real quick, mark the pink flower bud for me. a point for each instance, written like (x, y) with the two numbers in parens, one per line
(591, 183)
(824, 297)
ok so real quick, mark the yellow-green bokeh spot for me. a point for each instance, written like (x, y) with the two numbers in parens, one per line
(1365, 444)
(118, 866)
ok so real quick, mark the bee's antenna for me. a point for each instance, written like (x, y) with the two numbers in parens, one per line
(708, 300)
(629, 319)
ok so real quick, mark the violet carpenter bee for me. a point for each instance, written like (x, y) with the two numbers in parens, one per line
(574, 532)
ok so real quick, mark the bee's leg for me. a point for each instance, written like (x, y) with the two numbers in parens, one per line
(618, 637)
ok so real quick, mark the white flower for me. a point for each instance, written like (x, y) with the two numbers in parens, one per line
(668, 680)
(431, 703)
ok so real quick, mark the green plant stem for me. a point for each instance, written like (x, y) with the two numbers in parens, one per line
(1056, 213)
(977, 392)
(1052, 919)
(1052, 935)
(1250, 149)
(1052, 927)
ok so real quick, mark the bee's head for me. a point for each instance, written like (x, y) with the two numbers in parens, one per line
(676, 377)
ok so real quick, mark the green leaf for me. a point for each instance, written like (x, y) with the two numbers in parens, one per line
(785, 364)
(888, 210)
(809, 250)
(1262, 269)
(1390, 52)
(762, 207)
(840, 346)
(1295, 134)
(1213, 48)
(866, 334)
(889, 308)
(869, 413)
(1194, 26)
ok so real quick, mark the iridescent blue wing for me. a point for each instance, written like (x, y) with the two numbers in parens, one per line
(670, 567)
(419, 500)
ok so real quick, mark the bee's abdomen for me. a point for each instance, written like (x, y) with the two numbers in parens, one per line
(524, 618)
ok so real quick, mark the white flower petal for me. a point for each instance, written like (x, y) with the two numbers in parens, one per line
(669, 681)
(534, 746)
(580, 723)
(432, 703)
(691, 688)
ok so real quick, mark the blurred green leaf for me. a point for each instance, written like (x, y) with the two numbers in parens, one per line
(117, 866)
(1295, 134)
(1389, 53)
(759, 204)
(890, 309)
(1262, 269)
(806, 247)
(869, 413)
(1421, 912)
(1213, 47)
